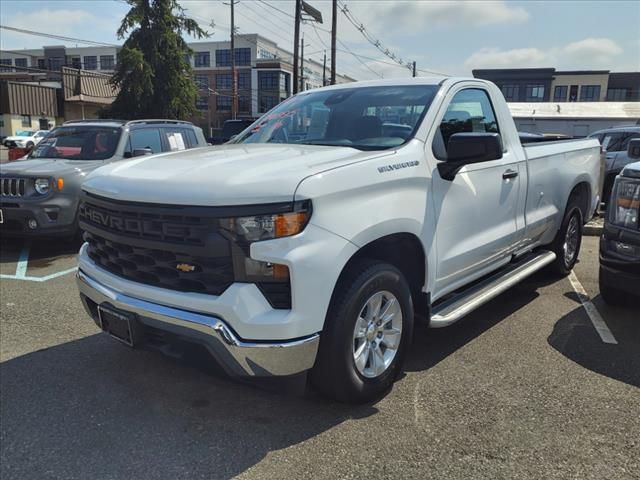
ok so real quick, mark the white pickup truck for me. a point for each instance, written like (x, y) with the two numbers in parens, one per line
(316, 239)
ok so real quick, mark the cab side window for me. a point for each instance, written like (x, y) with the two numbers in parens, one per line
(145, 138)
(470, 110)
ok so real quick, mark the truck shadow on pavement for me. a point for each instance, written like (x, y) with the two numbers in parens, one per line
(42, 251)
(576, 338)
(91, 408)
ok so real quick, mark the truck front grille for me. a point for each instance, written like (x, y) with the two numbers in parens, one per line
(171, 269)
(13, 187)
(178, 248)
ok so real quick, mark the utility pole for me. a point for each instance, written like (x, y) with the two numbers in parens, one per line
(302, 64)
(324, 70)
(234, 83)
(296, 41)
(334, 22)
(414, 69)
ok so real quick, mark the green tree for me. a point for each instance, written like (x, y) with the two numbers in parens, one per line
(153, 77)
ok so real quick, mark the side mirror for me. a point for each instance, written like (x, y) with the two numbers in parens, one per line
(633, 150)
(466, 148)
(138, 152)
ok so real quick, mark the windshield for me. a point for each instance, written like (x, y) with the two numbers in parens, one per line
(367, 118)
(24, 133)
(78, 142)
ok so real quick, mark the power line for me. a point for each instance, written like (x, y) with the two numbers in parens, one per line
(276, 8)
(56, 37)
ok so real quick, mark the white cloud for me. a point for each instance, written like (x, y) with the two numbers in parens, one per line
(599, 50)
(584, 54)
(515, 58)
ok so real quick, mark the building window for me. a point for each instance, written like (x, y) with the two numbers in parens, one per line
(5, 61)
(26, 121)
(244, 80)
(244, 103)
(511, 92)
(223, 58)
(616, 94)
(202, 103)
(223, 103)
(201, 81)
(76, 62)
(534, 93)
(560, 93)
(41, 64)
(91, 62)
(20, 62)
(269, 80)
(106, 62)
(202, 59)
(262, 53)
(243, 57)
(56, 63)
(223, 81)
(590, 93)
(267, 102)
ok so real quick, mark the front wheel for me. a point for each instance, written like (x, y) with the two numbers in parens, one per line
(368, 328)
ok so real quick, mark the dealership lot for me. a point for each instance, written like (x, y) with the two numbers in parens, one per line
(524, 387)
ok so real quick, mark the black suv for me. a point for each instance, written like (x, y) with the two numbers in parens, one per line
(615, 142)
(620, 241)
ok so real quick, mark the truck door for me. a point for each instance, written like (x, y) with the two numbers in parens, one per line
(476, 212)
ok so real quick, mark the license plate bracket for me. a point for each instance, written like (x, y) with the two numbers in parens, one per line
(118, 324)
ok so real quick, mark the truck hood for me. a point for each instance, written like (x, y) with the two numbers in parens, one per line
(49, 167)
(238, 174)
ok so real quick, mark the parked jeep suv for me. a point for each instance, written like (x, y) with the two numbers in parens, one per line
(39, 193)
(620, 242)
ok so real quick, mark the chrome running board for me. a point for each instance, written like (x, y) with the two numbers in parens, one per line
(453, 309)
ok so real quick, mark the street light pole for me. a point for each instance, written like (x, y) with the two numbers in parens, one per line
(234, 84)
(296, 42)
(334, 23)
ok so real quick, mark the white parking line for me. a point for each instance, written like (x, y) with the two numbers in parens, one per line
(23, 263)
(596, 319)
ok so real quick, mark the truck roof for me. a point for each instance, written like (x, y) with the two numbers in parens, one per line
(434, 80)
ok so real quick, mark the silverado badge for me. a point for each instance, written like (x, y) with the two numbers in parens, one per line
(185, 267)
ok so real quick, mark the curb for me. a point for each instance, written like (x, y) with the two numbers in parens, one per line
(594, 228)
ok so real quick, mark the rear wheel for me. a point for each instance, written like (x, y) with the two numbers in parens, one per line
(368, 328)
(567, 243)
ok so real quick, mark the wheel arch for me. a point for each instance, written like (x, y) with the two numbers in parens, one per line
(403, 250)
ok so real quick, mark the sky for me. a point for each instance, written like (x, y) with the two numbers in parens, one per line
(450, 37)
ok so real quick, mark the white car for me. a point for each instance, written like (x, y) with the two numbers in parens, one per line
(318, 236)
(25, 138)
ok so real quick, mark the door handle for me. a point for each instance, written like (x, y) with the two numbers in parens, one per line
(509, 174)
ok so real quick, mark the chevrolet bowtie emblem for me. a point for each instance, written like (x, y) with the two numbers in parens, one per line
(185, 267)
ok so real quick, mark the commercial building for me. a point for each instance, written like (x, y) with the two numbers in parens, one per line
(264, 74)
(551, 85)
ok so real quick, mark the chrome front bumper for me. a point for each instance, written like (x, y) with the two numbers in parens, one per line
(236, 356)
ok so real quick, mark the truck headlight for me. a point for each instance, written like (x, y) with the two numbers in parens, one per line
(626, 203)
(42, 185)
(271, 278)
(267, 227)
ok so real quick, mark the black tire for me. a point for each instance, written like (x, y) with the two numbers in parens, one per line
(335, 374)
(610, 295)
(563, 264)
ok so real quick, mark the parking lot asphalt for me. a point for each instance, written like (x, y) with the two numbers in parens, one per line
(522, 388)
